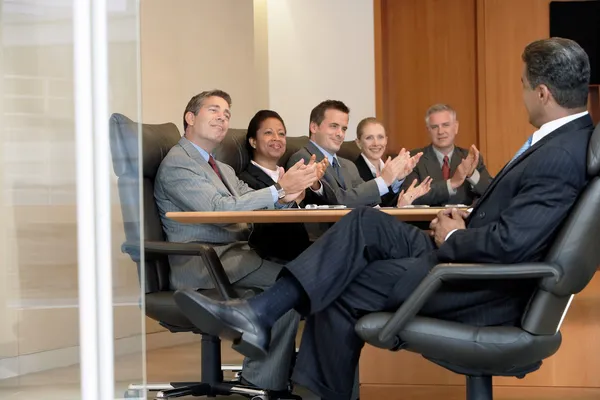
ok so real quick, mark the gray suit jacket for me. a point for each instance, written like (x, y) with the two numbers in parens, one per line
(429, 165)
(186, 182)
(357, 192)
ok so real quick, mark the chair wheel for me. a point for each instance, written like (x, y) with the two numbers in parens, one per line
(134, 394)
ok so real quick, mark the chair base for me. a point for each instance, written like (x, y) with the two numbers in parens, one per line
(179, 389)
(479, 388)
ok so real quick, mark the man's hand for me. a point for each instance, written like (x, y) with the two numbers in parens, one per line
(473, 157)
(321, 168)
(446, 221)
(299, 177)
(466, 168)
(459, 176)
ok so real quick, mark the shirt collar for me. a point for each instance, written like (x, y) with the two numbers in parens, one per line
(272, 174)
(329, 156)
(202, 152)
(440, 156)
(371, 166)
(551, 126)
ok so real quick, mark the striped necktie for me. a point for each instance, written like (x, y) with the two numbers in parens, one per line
(522, 150)
(338, 172)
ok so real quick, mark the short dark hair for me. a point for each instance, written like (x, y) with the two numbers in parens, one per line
(256, 122)
(196, 102)
(563, 66)
(360, 128)
(317, 115)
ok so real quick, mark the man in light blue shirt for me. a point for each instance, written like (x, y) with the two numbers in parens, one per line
(341, 183)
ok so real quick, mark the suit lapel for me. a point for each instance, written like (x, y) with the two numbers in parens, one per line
(432, 165)
(196, 156)
(363, 169)
(329, 172)
(260, 175)
(575, 125)
(455, 160)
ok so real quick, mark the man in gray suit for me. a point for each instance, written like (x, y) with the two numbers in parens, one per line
(341, 183)
(458, 175)
(189, 179)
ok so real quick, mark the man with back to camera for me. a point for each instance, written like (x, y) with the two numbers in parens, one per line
(190, 179)
(459, 175)
(369, 261)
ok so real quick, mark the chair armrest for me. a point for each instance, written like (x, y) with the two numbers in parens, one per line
(456, 272)
(208, 254)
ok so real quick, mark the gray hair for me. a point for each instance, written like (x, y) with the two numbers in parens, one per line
(196, 102)
(439, 108)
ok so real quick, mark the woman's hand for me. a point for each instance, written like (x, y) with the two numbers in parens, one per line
(413, 192)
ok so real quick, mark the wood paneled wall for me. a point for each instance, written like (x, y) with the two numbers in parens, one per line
(463, 52)
(428, 55)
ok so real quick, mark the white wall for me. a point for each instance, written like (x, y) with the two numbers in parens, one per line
(287, 55)
(320, 50)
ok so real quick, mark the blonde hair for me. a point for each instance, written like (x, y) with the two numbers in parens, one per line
(360, 128)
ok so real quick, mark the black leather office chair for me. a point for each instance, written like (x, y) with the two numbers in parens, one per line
(157, 140)
(483, 352)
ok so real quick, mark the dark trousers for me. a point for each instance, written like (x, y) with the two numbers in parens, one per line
(367, 262)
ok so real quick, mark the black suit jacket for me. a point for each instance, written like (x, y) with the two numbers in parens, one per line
(514, 221)
(388, 200)
(280, 242)
(438, 195)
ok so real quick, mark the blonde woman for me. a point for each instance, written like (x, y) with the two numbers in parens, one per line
(371, 139)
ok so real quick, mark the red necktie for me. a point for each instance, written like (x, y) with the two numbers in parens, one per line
(213, 164)
(446, 169)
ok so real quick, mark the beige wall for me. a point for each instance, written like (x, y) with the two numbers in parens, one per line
(189, 46)
(38, 261)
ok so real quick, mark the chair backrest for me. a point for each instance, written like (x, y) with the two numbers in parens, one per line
(233, 150)
(575, 250)
(156, 141)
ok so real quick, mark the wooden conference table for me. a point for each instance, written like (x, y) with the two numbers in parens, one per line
(417, 214)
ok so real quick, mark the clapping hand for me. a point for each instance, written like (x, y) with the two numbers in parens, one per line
(413, 192)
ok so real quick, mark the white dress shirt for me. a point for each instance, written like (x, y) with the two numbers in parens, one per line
(272, 174)
(371, 166)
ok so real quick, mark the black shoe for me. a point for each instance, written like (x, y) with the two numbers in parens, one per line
(233, 320)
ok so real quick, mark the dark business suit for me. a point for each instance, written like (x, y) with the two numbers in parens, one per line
(429, 165)
(283, 242)
(351, 190)
(387, 200)
(373, 262)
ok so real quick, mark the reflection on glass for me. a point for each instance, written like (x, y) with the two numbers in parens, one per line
(39, 336)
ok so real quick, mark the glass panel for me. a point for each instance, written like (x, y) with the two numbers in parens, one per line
(39, 334)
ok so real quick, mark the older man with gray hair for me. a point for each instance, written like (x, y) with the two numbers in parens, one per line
(458, 175)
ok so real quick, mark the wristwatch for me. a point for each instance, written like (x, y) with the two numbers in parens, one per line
(280, 191)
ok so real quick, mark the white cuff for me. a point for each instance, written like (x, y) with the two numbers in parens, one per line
(474, 179)
(450, 233)
(318, 191)
(451, 191)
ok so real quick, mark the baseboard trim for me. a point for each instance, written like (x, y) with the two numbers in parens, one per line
(59, 358)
